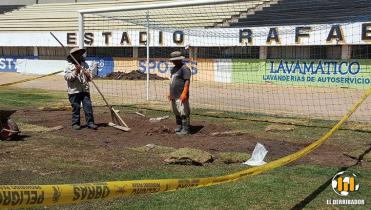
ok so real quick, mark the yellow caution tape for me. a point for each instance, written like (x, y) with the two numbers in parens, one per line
(29, 79)
(19, 196)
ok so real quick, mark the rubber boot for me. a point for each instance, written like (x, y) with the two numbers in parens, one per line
(178, 123)
(185, 127)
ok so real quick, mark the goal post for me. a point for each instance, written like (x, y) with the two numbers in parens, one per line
(146, 8)
(143, 7)
(242, 58)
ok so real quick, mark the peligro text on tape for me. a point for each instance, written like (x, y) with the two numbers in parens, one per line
(19, 196)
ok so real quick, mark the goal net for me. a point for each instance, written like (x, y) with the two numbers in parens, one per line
(245, 56)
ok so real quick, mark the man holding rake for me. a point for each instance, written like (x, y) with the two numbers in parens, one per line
(78, 75)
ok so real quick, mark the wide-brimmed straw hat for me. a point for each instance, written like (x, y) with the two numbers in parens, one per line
(77, 52)
(177, 55)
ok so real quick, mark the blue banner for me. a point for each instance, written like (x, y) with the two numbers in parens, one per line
(105, 65)
(9, 64)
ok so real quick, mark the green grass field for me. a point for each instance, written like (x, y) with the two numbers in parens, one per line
(295, 186)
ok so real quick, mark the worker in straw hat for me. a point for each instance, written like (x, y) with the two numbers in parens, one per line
(179, 92)
(78, 74)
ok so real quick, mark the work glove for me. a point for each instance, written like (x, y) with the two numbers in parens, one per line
(183, 97)
(77, 69)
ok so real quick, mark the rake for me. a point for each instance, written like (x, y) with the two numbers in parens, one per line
(118, 122)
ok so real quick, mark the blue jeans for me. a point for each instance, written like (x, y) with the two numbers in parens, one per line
(76, 100)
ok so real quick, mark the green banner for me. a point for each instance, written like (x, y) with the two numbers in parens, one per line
(323, 73)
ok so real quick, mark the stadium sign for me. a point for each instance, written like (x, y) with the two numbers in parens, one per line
(258, 36)
(323, 34)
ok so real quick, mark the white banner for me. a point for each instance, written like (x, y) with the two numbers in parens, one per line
(348, 33)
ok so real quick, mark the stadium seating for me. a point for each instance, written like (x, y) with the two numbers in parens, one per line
(63, 17)
(298, 12)
(8, 8)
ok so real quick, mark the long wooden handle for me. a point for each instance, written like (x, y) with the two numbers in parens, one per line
(74, 59)
(101, 94)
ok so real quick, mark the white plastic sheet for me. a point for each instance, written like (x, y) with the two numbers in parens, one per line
(257, 157)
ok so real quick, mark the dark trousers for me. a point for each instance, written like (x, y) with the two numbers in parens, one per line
(76, 100)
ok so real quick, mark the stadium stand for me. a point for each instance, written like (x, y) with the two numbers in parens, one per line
(30, 2)
(63, 17)
(8, 8)
(306, 12)
(17, 2)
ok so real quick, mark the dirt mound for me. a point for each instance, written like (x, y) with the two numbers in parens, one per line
(189, 156)
(159, 130)
(134, 75)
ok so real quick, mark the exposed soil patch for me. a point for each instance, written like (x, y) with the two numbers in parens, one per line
(162, 129)
(107, 139)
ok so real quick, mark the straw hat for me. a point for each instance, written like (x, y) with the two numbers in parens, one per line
(176, 55)
(77, 52)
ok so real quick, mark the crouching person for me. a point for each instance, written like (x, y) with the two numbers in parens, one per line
(78, 75)
(179, 93)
